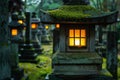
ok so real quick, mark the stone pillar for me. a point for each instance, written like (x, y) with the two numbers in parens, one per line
(28, 27)
(34, 35)
(56, 39)
(112, 53)
(14, 54)
(100, 34)
(17, 72)
(39, 34)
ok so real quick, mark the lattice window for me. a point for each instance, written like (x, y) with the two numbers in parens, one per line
(77, 37)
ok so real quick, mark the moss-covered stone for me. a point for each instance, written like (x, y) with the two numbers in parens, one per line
(74, 12)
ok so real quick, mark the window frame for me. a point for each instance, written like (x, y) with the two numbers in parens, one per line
(76, 48)
(79, 36)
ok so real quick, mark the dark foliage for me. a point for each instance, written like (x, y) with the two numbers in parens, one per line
(15, 5)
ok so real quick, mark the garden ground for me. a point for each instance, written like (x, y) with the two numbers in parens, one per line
(43, 67)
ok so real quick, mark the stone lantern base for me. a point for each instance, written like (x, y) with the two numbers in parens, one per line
(37, 47)
(27, 53)
(70, 66)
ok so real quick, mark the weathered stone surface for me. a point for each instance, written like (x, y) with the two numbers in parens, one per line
(81, 70)
(77, 58)
(77, 64)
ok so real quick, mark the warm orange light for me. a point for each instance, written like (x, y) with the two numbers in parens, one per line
(46, 27)
(77, 33)
(34, 26)
(77, 37)
(83, 42)
(57, 26)
(71, 41)
(77, 41)
(14, 32)
(20, 21)
(83, 33)
(71, 33)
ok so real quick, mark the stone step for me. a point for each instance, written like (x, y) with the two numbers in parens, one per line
(76, 58)
(77, 69)
(28, 56)
(25, 46)
(77, 64)
(35, 50)
(22, 50)
(28, 60)
(77, 77)
(38, 50)
(36, 46)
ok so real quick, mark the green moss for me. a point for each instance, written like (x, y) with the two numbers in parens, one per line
(104, 72)
(104, 64)
(74, 12)
(37, 71)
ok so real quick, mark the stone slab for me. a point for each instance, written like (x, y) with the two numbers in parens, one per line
(77, 58)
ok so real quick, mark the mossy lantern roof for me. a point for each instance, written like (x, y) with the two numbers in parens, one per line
(78, 13)
(74, 12)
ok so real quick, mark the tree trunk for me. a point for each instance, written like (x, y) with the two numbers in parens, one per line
(5, 69)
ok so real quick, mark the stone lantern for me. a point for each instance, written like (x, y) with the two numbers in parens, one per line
(36, 36)
(75, 56)
(27, 52)
(16, 30)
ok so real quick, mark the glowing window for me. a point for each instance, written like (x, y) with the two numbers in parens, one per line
(77, 37)
(14, 32)
(34, 26)
(20, 21)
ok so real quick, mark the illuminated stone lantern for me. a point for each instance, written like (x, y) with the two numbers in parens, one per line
(21, 20)
(27, 52)
(46, 34)
(46, 27)
(16, 29)
(74, 47)
(35, 23)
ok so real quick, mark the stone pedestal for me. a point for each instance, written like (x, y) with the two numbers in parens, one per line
(76, 65)
(16, 72)
(35, 41)
(27, 53)
(45, 37)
